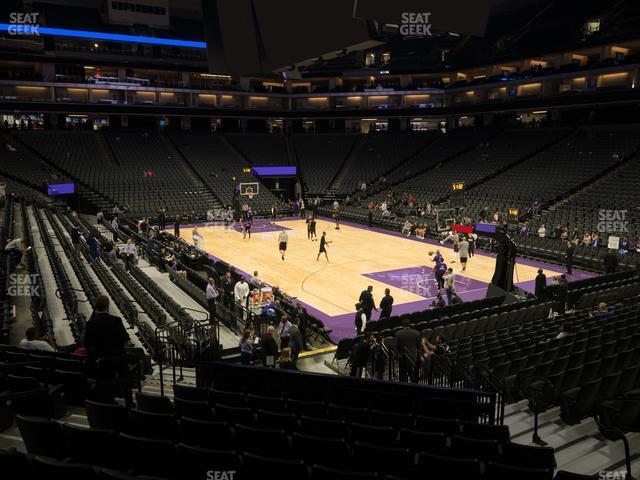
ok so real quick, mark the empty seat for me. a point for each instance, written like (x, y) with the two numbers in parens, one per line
(261, 441)
(109, 416)
(92, 446)
(41, 436)
(499, 471)
(255, 466)
(153, 403)
(197, 461)
(205, 433)
(51, 468)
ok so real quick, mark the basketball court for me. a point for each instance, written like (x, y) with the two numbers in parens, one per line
(359, 256)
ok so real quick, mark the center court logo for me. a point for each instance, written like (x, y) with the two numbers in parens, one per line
(24, 24)
(612, 221)
(23, 285)
(415, 24)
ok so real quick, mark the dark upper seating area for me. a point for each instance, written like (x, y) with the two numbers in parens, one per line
(138, 170)
(489, 156)
(377, 154)
(261, 149)
(320, 157)
(216, 164)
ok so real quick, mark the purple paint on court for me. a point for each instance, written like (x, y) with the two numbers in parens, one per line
(259, 226)
(421, 281)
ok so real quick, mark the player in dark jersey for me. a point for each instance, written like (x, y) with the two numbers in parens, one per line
(246, 228)
(311, 229)
(323, 247)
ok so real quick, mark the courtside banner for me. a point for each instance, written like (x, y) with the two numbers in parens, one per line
(462, 229)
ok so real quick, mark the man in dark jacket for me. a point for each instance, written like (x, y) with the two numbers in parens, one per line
(610, 261)
(569, 257)
(105, 338)
(227, 284)
(386, 304)
(268, 347)
(367, 302)
(360, 354)
(296, 343)
(303, 322)
(541, 283)
(407, 341)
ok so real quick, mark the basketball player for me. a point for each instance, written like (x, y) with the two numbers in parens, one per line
(438, 258)
(246, 230)
(440, 270)
(311, 229)
(283, 238)
(323, 247)
(463, 250)
(336, 215)
(228, 218)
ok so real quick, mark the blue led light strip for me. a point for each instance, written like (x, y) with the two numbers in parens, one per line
(115, 37)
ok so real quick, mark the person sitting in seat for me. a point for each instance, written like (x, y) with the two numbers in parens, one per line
(18, 248)
(32, 343)
(565, 329)
(602, 312)
(438, 347)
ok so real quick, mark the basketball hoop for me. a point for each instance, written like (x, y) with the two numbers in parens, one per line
(249, 193)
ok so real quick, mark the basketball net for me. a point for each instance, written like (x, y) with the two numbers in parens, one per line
(249, 193)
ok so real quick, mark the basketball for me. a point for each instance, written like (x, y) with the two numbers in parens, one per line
(430, 253)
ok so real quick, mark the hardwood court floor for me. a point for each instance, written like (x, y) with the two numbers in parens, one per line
(333, 288)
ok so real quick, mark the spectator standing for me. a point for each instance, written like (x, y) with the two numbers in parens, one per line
(361, 319)
(407, 341)
(386, 304)
(227, 285)
(241, 293)
(75, 239)
(212, 296)
(130, 252)
(367, 302)
(246, 347)
(569, 257)
(296, 342)
(105, 339)
(541, 284)
(283, 328)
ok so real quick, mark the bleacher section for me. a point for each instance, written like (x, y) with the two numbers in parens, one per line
(615, 191)
(377, 155)
(488, 158)
(584, 156)
(137, 170)
(320, 157)
(217, 164)
(261, 149)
